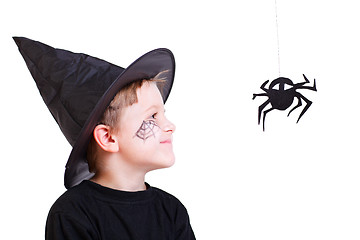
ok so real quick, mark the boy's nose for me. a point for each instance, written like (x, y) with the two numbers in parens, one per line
(169, 126)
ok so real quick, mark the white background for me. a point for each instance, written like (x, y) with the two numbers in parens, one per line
(293, 181)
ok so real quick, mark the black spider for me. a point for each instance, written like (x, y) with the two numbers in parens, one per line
(282, 98)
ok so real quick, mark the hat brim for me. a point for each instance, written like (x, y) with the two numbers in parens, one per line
(145, 67)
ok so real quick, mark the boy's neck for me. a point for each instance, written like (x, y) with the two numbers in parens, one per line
(122, 182)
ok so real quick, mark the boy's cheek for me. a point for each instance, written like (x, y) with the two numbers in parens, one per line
(148, 130)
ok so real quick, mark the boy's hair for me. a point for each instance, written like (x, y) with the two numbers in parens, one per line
(127, 96)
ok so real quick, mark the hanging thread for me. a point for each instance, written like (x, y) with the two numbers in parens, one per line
(277, 35)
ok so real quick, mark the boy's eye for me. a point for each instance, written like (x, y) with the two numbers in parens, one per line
(154, 115)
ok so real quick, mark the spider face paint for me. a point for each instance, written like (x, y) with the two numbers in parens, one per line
(147, 129)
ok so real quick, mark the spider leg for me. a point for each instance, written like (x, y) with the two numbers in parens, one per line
(307, 80)
(261, 108)
(263, 85)
(300, 85)
(308, 104)
(264, 115)
(298, 105)
(258, 94)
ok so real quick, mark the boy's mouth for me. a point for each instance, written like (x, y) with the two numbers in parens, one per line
(166, 141)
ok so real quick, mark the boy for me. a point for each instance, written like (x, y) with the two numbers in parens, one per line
(115, 120)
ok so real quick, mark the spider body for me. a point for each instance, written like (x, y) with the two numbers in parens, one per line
(283, 97)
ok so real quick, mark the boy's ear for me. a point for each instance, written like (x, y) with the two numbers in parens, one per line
(104, 138)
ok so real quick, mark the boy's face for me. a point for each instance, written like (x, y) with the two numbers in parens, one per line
(145, 134)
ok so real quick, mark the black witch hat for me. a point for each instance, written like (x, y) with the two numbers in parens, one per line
(77, 88)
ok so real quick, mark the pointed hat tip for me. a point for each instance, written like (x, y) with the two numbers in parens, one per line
(17, 40)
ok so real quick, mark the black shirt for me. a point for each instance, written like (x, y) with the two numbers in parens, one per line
(91, 211)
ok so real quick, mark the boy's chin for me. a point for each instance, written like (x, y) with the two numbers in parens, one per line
(170, 163)
(164, 164)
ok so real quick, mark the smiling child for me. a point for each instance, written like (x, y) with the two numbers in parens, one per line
(114, 118)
